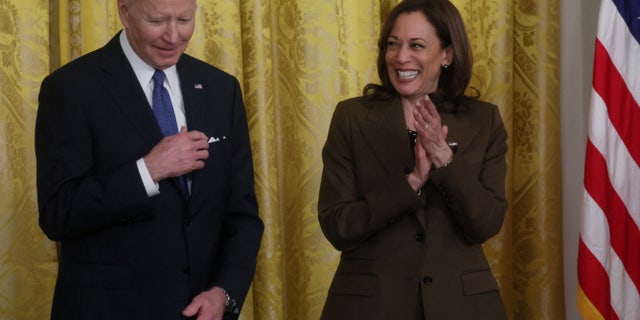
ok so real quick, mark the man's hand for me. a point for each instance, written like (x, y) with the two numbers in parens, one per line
(208, 305)
(177, 155)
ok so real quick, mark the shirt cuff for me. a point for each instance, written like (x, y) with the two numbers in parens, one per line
(152, 188)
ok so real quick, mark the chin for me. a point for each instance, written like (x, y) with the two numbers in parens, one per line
(406, 92)
(165, 63)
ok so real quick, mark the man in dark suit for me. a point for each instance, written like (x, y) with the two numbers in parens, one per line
(152, 224)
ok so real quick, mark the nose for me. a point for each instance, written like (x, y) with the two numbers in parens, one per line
(171, 32)
(403, 54)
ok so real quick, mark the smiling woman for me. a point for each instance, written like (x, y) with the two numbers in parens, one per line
(382, 183)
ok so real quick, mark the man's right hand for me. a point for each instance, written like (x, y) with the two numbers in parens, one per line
(177, 155)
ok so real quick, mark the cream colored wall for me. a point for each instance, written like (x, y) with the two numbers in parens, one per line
(578, 29)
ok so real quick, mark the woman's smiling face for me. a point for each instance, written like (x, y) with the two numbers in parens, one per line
(415, 55)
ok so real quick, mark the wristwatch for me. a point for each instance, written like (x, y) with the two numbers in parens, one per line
(230, 304)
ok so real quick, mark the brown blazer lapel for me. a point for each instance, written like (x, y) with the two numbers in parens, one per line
(384, 130)
(461, 130)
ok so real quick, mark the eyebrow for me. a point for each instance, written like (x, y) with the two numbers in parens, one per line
(412, 39)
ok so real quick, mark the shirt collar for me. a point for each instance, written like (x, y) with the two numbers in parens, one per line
(143, 71)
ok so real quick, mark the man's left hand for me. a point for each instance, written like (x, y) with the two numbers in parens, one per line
(208, 305)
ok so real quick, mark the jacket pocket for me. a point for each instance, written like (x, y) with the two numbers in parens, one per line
(368, 249)
(478, 282)
(97, 276)
(354, 284)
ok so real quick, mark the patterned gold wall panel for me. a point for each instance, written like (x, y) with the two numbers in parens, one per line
(80, 26)
(536, 167)
(324, 52)
(27, 260)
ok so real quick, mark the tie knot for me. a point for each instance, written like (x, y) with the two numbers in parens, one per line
(158, 77)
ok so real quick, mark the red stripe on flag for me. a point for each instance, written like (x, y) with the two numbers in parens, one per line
(594, 282)
(624, 112)
(625, 236)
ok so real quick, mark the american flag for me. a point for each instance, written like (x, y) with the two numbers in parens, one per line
(609, 246)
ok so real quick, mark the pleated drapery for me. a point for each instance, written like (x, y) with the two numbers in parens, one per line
(295, 60)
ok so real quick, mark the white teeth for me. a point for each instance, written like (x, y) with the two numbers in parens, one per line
(407, 74)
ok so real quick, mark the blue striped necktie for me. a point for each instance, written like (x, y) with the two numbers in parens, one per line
(163, 110)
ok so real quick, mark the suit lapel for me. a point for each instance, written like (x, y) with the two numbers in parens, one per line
(194, 91)
(385, 132)
(461, 131)
(122, 85)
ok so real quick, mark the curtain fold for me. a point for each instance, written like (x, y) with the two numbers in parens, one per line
(27, 260)
(295, 59)
(536, 185)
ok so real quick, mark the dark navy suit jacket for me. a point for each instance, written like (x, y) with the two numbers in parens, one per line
(123, 254)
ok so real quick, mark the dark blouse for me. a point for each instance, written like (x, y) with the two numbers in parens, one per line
(412, 137)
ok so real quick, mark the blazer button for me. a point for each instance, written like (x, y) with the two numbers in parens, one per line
(427, 280)
(420, 236)
(187, 222)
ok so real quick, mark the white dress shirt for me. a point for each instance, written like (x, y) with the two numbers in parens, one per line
(144, 73)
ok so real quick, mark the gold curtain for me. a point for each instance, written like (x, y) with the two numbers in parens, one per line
(295, 59)
(516, 52)
(27, 260)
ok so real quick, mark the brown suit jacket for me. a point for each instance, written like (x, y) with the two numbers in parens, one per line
(399, 248)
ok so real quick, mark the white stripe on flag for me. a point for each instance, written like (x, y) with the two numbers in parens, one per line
(623, 172)
(623, 48)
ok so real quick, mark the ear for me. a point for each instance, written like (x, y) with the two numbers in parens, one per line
(123, 12)
(447, 59)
